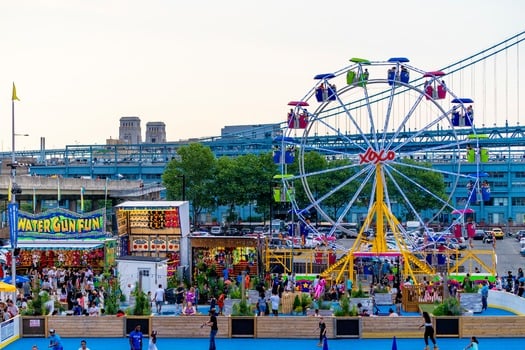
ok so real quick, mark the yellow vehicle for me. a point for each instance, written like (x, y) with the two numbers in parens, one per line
(497, 232)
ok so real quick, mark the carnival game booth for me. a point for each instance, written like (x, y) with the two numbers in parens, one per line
(61, 238)
(155, 229)
(230, 256)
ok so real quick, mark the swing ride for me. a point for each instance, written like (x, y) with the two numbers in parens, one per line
(374, 111)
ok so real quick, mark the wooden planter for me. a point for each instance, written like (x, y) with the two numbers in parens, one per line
(347, 327)
(242, 327)
(103, 327)
(34, 326)
(447, 326)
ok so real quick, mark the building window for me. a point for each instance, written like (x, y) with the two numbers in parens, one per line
(502, 201)
(518, 201)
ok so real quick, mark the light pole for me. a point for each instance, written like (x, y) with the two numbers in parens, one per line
(15, 189)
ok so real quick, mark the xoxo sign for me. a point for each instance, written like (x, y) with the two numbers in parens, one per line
(374, 157)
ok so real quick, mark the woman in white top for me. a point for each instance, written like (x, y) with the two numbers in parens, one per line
(152, 345)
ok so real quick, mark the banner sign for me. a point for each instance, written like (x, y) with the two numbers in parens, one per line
(12, 212)
(60, 224)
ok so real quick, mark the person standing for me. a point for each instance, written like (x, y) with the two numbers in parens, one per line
(152, 345)
(55, 343)
(429, 330)
(473, 345)
(135, 338)
(159, 298)
(212, 323)
(322, 331)
(274, 300)
(484, 295)
(179, 298)
(83, 345)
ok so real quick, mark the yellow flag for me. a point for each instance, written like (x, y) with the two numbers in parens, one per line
(14, 93)
(9, 190)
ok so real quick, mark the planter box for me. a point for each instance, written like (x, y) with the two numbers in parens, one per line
(471, 301)
(242, 327)
(347, 327)
(383, 299)
(33, 326)
(447, 326)
(366, 302)
(103, 327)
(133, 321)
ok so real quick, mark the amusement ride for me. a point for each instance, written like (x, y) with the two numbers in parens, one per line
(374, 110)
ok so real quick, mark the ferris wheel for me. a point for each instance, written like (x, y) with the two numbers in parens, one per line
(374, 125)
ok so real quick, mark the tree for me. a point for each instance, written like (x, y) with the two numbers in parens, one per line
(243, 180)
(195, 171)
(417, 197)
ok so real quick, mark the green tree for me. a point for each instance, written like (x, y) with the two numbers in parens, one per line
(416, 196)
(193, 174)
(244, 180)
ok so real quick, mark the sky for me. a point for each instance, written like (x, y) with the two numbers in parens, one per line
(81, 65)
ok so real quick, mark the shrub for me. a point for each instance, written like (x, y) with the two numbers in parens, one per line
(235, 292)
(242, 308)
(449, 307)
(296, 302)
(306, 301)
(344, 309)
(359, 293)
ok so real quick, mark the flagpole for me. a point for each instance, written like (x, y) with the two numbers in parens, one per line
(13, 229)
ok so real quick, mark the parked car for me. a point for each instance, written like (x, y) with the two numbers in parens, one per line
(216, 230)
(346, 233)
(479, 234)
(246, 230)
(498, 233)
(519, 235)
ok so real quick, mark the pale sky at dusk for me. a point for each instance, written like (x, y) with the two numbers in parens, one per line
(80, 65)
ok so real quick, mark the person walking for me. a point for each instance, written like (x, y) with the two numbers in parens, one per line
(322, 331)
(55, 343)
(135, 338)
(160, 297)
(212, 323)
(473, 345)
(83, 345)
(429, 330)
(152, 345)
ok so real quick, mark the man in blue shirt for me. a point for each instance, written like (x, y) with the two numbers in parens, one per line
(55, 343)
(484, 295)
(135, 338)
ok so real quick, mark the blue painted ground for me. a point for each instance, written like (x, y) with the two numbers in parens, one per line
(257, 344)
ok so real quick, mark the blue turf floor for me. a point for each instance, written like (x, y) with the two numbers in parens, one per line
(257, 344)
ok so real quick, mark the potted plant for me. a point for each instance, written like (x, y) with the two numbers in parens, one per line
(347, 324)
(447, 317)
(306, 302)
(243, 320)
(297, 307)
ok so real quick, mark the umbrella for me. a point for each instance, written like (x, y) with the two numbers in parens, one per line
(19, 279)
(4, 287)
(463, 211)
(394, 343)
(325, 343)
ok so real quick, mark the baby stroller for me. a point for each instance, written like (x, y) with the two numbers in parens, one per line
(488, 237)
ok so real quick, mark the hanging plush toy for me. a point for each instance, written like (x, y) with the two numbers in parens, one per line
(319, 289)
